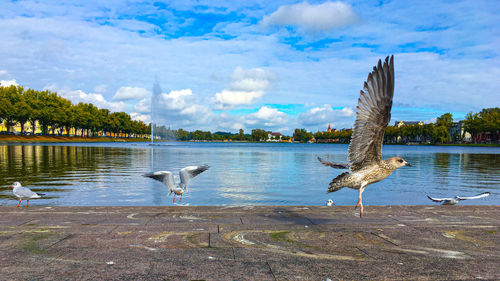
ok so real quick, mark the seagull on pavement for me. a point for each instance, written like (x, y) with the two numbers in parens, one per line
(454, 200)
(373, 114)
(24, 193)
(185, 174)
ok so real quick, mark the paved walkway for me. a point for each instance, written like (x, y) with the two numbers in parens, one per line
(249, 243)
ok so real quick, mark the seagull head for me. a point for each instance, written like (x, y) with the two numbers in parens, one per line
(398, 162)
(330, 202)
(16, 184)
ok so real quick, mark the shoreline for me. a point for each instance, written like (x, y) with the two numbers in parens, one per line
(6, 139)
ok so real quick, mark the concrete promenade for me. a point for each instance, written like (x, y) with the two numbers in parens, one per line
(250, 243)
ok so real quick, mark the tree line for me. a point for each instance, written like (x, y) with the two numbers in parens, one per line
(56, 115)
(483, 127)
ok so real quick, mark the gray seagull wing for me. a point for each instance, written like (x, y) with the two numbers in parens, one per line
(166, 177)
(333, 165)
(439, 199)
(187, 173)
(25, 192)
(484, 194)
(373, 114)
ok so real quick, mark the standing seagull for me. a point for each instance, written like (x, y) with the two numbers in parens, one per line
(24, 193)
(185, 174)
(373, 113)
(454, 200)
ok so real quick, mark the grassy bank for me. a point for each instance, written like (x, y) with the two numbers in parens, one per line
(13, 138)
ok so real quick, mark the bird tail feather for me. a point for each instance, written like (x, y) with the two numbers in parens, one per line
(339, 182)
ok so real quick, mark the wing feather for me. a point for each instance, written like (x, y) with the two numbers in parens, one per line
(333, 165)
(484, 194)
(373, 114)
(166, 177)
(439, 199)
(187, 173)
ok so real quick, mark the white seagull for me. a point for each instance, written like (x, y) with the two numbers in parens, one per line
(454, 200)
(24, 193)
(185, 174)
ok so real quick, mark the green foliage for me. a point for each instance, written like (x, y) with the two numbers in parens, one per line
(302, 135)
(259, 135)
(445, 120)
(52, 111)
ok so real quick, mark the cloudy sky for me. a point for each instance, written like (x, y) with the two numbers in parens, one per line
(275, 65)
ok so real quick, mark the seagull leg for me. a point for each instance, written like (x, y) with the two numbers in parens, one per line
(360, 202)
(27, 203)
(180, 199)
(19, 203)
(173, 201)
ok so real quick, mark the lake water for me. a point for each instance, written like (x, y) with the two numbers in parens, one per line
(239, 174)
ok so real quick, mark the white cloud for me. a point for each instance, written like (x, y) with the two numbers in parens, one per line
(143, 106)
(322, 116)
(322, 17)
(140, 117)
(3, 72)
(128, 93)
(245, 88)
(7, 83)
(77, 96)
(268, 117)
(228, 99)
(181, 108)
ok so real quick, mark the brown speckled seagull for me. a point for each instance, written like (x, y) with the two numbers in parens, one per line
(373, 113)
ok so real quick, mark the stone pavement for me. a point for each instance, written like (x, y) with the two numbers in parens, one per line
(250, 243)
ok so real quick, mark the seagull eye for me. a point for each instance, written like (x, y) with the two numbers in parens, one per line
(400, 160)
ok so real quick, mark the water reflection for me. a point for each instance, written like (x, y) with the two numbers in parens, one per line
(240, 174)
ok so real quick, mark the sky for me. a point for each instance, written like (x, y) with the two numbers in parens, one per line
(273, 65)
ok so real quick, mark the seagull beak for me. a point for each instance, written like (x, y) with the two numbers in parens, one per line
(407, 164)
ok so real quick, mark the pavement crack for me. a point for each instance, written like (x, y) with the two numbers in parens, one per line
(241, 220)
(271, 270)
(114, 228)
(59, 241)
(234, 256)
(365, 253)
(383, 238)
(26, 222)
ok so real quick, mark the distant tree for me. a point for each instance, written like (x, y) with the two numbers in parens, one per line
(259, 135)
(302, 135)
(473, 125)
(445, 120)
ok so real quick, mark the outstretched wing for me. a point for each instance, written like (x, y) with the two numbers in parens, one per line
(333, 165)
(373, 113)
(484, 194)
(165, 177)
(187, 173)
(439, 199)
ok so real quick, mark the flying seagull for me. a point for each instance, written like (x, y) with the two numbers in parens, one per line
(185, 174)
(373, 113)
(24, 193)
(453, 201)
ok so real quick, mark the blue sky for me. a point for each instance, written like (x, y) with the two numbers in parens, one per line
(279, 65)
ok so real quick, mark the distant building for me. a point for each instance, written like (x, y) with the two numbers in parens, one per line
(458, 134)
(330, 129)
(274, 137)
(401, 123)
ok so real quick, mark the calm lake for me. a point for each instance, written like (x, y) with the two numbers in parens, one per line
(240, 174)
